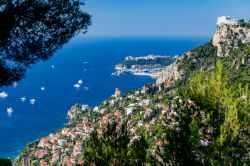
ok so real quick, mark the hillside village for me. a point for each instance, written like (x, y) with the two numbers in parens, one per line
(66, 145)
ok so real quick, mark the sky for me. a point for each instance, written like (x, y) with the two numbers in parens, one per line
(191, 18)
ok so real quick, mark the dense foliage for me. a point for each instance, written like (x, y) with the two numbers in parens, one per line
(115, 147)
(202, 57)
(244, 24)
(211, 125)
(5, 162)
(237, 64)
(226, 109)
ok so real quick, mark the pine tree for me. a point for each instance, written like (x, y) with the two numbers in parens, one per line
(114, 147)
(227, 113)
(5, 162)
(211, 125)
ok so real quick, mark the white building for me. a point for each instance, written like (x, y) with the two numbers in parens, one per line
(85, 107)
(61, 142)
(227, 20)
(96, 109)
(130, 110)
(145, 102)
(140, 123)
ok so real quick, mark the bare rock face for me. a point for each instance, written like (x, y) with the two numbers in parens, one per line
(170, 73)
(228, 37)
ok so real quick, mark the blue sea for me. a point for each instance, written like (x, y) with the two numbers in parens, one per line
(90, 59)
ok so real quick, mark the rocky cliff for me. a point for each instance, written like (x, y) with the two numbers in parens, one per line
(169, 74)
(229, 35)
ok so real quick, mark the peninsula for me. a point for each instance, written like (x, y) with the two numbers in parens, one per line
(144, 65)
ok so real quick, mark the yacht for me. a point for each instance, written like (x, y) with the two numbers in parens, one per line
(32, 101)
(10, 110)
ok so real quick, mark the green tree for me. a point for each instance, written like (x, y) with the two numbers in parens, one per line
(227, 113)
(114, 147)
(5, 162)
(211, 123)
(242, 22)
(182, 137)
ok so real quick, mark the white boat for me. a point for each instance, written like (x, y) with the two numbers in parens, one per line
(117, 73)
(80, 82)
(77, 85)
(10, 110)
(43, 88)
(32, 101)
(23, 99)
(3, 95)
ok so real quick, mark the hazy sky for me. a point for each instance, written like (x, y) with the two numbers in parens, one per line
(161, 17)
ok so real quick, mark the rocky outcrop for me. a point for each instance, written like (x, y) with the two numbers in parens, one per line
(170, 73)
(230, 33)
(228, 37)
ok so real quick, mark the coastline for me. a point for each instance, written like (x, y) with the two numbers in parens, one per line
(136, 73)
(149, 65)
